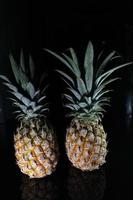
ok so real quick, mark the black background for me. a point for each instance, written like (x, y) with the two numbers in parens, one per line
(33, 26)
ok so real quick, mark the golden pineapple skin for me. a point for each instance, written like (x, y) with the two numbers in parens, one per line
(36, 150)
(86, 144)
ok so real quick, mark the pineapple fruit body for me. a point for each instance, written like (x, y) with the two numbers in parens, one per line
(86, 144)
(36, 149)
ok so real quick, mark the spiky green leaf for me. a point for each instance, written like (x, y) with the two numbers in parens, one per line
(86, 110)
(82, 105)
(104, 63)
(61, 59)
(21, 98)
(69, 106)
(41, 99)
(44, 110)
(37, 108)
(81, 86)
(88, 66)
(98, 108)
(76, 107)
(103, 99)
(105, 75)
(74, 66)
(24, 80)
(44, 89)
(15, 68)
(22, 63)
(66, 76)
(102, 86)
(102, 93)
(5, 78)
(22, 107)
(30, 89)
(99, 57)
(12, 99)
(74, 56)
(75, 93)
(88, 100)
(70, 114)
(31, 67)
(11, 87)
(69, 84)
(37, 93)
(68, 97)
(16, 112)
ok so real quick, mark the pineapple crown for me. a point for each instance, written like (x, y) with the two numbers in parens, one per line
(28, 102)
(86, 97)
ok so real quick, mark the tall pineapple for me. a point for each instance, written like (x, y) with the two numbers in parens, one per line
(86, 143)
(36, 148)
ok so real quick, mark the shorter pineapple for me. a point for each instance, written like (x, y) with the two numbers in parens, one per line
(86, 143)
(35, 143)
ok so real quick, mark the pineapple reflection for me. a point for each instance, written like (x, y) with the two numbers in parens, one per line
(85, 185)
(39, 189)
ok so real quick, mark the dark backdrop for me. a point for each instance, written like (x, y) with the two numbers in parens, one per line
(32, 26)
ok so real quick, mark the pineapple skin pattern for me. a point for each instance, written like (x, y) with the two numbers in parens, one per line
(86, 145)
(36, 150)
(86, 98)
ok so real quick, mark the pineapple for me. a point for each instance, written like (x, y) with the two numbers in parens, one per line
(36, 148)
(86, 140)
